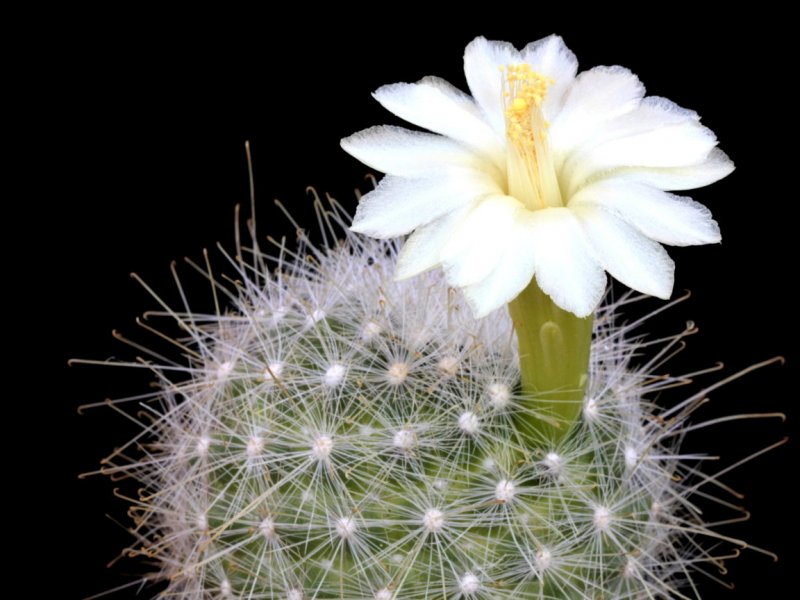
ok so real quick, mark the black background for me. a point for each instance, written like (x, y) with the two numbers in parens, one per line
(133, 155)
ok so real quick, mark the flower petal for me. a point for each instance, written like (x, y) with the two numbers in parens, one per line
(423, 248)
(595, 97)
(399, 205)
(551, 57)
(480, 240)
(482, 61)
(564, 262)
(661, 216)
(400, 151)
(658, 134)
(629, 256)
(512, 273)
(436, 105)
(714, 168)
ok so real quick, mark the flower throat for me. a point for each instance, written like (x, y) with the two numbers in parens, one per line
(531, 174)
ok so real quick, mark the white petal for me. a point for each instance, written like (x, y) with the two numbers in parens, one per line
(658, 134)
(436, 105)
(510, 276)
(551, 57)
(626, 254)
(595, 97)
(480, 240)
(423, 249)
(661, 216)
(653, 112)
(482, 61)
(399, 205)
(400, 151)
(564, 262)
(714, 168)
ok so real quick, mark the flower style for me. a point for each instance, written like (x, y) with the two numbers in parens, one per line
(541, 172)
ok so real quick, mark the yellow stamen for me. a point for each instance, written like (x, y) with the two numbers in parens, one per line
(532, 177)
(519, 105)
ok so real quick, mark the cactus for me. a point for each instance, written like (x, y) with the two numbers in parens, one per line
(329, 432)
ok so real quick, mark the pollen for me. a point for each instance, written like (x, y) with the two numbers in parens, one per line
(526, 89)
(532, 177)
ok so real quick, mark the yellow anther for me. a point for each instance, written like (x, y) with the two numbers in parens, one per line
(531, 175)
(519, 105)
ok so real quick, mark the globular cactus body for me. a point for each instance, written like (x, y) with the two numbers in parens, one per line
(344, 435)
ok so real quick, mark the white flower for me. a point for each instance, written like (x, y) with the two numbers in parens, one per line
(540, 172)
